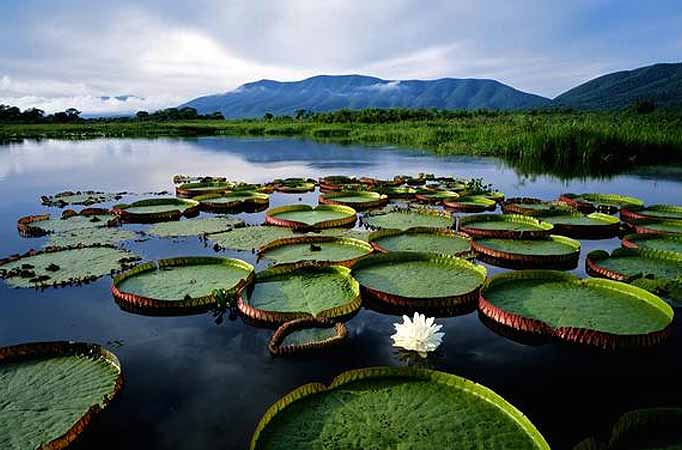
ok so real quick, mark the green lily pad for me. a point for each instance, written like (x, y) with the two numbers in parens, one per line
(403, 219)
(436, 196)
(427, 240)
(189, 190)
(606, 203)
(557, 252)
(156, 209)
(412, 275)
(294, 185)
(528, 206)
(302, 335)
(233, 201)
(59, 266)
(361, 235)
(295, 291)
(577, 225)
(250, 237)
(673, 212)
(359, 200)
(308, 335)
(180, 283)
(657, 226)
(387, 407)
(196, 227)
(397, 191)
(51, 391)
(471, 203)
(85, 198)
(555, 245)
(592, 311)
(90, 236)
(508, 226)
(306, 216)
(668, 243)
(315, 248)
(44, 224)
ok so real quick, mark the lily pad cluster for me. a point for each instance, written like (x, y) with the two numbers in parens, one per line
(70, 220)
(84, 198)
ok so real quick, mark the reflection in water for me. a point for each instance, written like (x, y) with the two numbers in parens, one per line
(203, 381)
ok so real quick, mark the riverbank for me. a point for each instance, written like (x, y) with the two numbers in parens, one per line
(565, 144)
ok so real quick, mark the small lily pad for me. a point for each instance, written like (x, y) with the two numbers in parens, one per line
(189, 190)
(84, 198)
(308, 217)
(305, 335)
(436, 196)
(156, 210)
(196, 227)
(41, 225)
(358, 200)
(294, 185)
(250, 237)
(234, 201)
(405, 218)
(470, 204)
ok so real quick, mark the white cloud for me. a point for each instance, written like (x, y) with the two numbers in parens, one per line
(384, 87)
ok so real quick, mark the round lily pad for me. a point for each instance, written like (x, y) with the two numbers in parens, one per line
(305, 335)
(294, 291)
(426, 240)
(590, 226)
(596, 312)
(61, 266)
(250, 237)
(529, 206)
(653, 241)
(85, 198)
(402, 219)
(189, 190)
(605, 203)
(179, 285)
(420, 280)
(51, 392)
(553, 252)
(323, 249)
(196, 227)
(336, 182)
(233, 201)
(672, 212)
(436, 196)
(156, 210)
(308, 217)
(658, 226)
(391, 407)
(397, 191)
(294, 185)
(90, 236)
(361, 235)
(41, 225)
(504, 226)
(358, 200)
(471, 204)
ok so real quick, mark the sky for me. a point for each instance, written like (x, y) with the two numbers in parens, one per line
(56, 54)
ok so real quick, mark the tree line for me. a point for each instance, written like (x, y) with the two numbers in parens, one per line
(13, 114)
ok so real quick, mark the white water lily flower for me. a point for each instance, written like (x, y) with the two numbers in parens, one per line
(418, 334)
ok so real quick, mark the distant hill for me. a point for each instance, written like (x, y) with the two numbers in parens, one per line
(661, 83)
(329, 93)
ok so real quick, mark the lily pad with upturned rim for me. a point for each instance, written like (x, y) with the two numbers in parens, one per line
(425, 240)
(183, 284)
(250, 237)
(504, 226)
(554, 252)
(605, 203)
(85, 198)
(659, 226)
(44, 224)
(233, 201)
(322, 249)
(397, 192)
(420, 280)
(436, 196)
(305, 335)
(405, 218)
(196, 227)
(653, 241)
(51, 392)
(529, 206)
(596, 312)
(190, 190)
(358, 200)
(156, 210)
(90, 236)
(385, 407)
(294, 185)
(308, 217)
(590, 226)
(471, 204)
(294, 291)
(666, 212)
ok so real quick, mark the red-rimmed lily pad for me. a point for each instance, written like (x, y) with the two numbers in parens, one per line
(590, 226)
(395, 192)
(180, 285)
(405, 218)
(52, 391)
(436, 196)
(189, 190)
(336, 182)
(669, 212)
(553, 252)
(529, 206)
(391, 407)
(358, 200)
(294, 291)
(504, 226)
(595, 312)
(654, 241)
(605, 203)
(84, 198)
(156, 210)
(233, 201)
(426, 240)
(322, 249)
(249, 238)
(70, 220)
(471, 204)
(306, 335)
(658, 226)
(309, 217)
(294, 185)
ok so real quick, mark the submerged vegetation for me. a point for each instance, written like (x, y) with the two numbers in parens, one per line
(563, 143)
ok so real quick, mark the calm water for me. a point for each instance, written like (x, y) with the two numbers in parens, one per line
(193, 383)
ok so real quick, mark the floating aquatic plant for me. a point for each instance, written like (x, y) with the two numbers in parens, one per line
(305, 335)
(420, 334)
(90, 236)
(249, 237)
(605, 203)
(196, 226)
(70, 220)
(405, 218)
(504, 226)
(323, 249)
(84, 198)
(426, 240)
(156, 210)
(553, 252)
(302, 217)
(234, 201)
(358, 200)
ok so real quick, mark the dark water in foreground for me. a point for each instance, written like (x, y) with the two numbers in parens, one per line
(193, 384)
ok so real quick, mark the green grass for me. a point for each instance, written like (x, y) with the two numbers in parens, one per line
(564, 144)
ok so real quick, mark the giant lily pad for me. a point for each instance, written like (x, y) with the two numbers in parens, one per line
(504, 226)
(436, 196)
(336, 182)
(426, 240)
(362, 235)
(659, 226)
(51, 392)
(294, 291)
(196, 227)
(591, 226)
(90, 236)
(85, 198)
(672, 212)
(404, 218)
(189, 190)
(471, 204)
(605, 203)
(393, 192)
(421, 280)
(358, 200)
(294, 185)
(233, 201)
(61, 266)
(308, 217)
(390, 407)
(250, 238)
(183, 284)
(156, 210)
(654, 241)
(40, 225)
(596, 312)
(553, 252)
(304, 335)
(529, 206)
(323, 249)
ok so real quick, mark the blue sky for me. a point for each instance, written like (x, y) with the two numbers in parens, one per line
(60, 53)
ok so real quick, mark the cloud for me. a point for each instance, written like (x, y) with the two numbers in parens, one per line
(384, 87)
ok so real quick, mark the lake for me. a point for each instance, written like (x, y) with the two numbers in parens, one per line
(194, 382)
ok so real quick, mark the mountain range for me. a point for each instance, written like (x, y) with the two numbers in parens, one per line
(661, 83)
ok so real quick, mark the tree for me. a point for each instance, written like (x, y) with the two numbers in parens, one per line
(142, 115)
(301, 114)
(268, 116)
